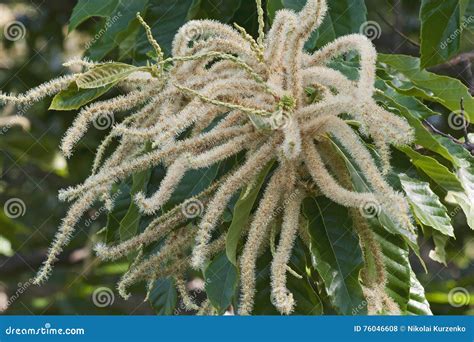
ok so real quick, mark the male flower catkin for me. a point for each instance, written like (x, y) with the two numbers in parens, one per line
(254, 93)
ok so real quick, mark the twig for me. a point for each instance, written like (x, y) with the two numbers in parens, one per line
(397, 30)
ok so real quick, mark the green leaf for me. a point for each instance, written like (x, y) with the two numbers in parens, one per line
(445, 90)
(465, 173)
(165, 18)
(440, 30)
(131, 221)
(362, 185)
(221, 282)
(214, 9)
(119, 25)
(242, 210)
(86, 9)
(426, 205)
(104, 75)
(397, 265)
(422, 136)
(122, 200)
(335, 253)
(306, 299)
(343, 17)
(73, 98)
(417, 305)
(163, 296)
(436, 171)
(439, 252)
(262, 302)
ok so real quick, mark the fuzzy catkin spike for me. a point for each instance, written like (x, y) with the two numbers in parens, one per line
(219, 94)
(149, 35)
(282, 297)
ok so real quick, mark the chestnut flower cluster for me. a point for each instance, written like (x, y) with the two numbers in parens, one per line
(255, 94)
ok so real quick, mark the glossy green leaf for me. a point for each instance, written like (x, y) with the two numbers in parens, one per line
(86, 9)
(73, 97)
(335, 253)
(119, 25)
(439, 252)
(307, 301)
(465, 173)
(426, 205)
(422, 136)
(343, 17)
(221, 282)
(163, 296)
(131, 221)
(417, 305)
(242, 210)
(104, 75)
(440, 30)
(445, 90)
(165, 18)
(362, 185)
(436, 171)
(395, 254)
(122, 200)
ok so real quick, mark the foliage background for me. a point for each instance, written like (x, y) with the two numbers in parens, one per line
(33, 170)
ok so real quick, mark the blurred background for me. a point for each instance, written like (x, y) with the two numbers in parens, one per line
(32, 170)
